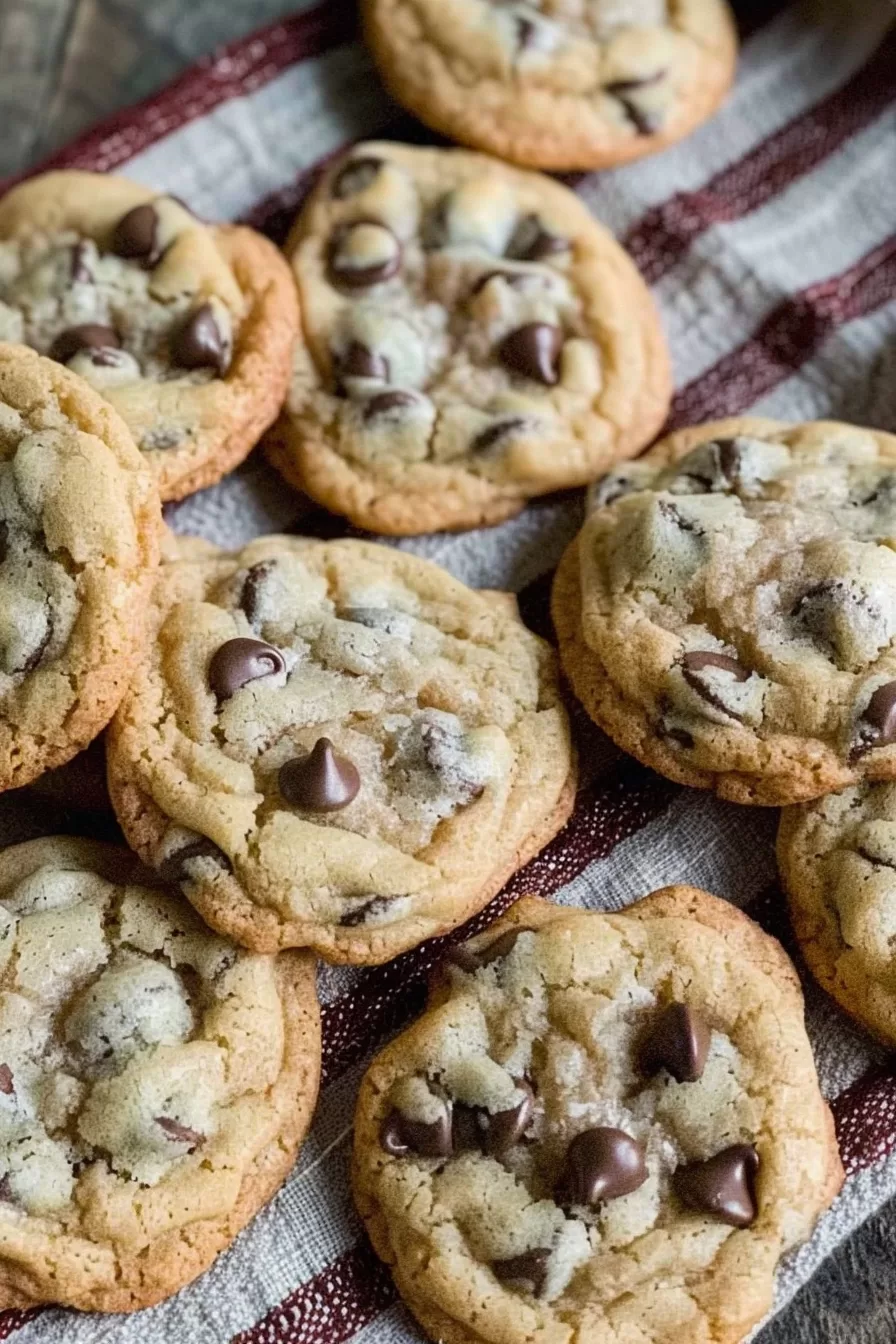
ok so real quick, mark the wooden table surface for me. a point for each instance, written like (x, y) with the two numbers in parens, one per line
(66, 63)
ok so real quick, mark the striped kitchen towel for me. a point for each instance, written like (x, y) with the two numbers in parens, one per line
(768, 238)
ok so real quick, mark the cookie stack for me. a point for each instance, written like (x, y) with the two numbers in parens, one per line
(605, 1127)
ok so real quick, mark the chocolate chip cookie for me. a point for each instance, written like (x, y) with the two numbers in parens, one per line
(155, 1080)
(728, 612)
(837, 858)
(560, 84)
(79, 540)
(337, 745)
(604, 1127)
(186, 328)
(472, 338)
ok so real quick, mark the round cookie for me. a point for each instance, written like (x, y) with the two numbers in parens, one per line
(186, 328)
(79, 540)
(155, 1080)
(837, 858)
(472, 338)
(558, 84)
(337, 745)
(606, 1127)
(728, 612)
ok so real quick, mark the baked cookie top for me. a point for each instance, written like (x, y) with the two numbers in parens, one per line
(337, 745)
(472, 337)
(79, 537)
(837, 858)
(154, 1079)
(187, 328)
(729, 610)
(560, 84)
(604, 1127)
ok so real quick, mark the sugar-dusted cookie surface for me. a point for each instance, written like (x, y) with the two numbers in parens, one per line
(472, 338)
(155, 1080)
(337, 745)
(559, 84)
(79, 542)
(728, 612)
(604, 1127)
(186, 328)
(837, 858)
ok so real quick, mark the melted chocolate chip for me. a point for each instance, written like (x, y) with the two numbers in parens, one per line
(527, 1272)
(240, 661)
(693, 664)
(87, 336)
(357, 175)
(723, 1186)
(526, 33)
(534, 352)
(200, 343)
(465, 959)
(600, 1164)
(345, 275)
(493, 434)
(680, 736)
(359, 361)
(363, 913)
(34, 658)
(878, 723)
(645, 122)
(322, 781)
(136, 236)
(399, 1135)
(178, 1133)
(673, 515)
(81, 272)
(251, 595)
(730, 458)
(466, 1131)
(387, 404)
(6, 1083)
(533, 242)
(175, 868)
(504, 1129)
(677, 1041)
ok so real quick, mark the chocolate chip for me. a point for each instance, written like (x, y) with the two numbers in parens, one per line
(322, 781)
(466, 1131)
(712, 465)
(504, 1129)
(465, 959)
(533, 242)
(723, 1186)
(357, 175)
(6, 1194)
(678, 1041)
(680, 736)
(399, 1135)
(600, 1164)
(251, 595)
(136, 236)
(6, 1083)
(533, 351)
(387, 404)
(175, 867)
(695, 663)
(878, 723)
(240, 661)
(527, 1272)
(359, 361)
(342, 268)
(34, 658)
(610, 488)
(375, 906)
(87, 336)
(178, 1133)
(493, 434)
(827, 611)
(645, 122)
(81, 272)
(200, 343)
(526, 32)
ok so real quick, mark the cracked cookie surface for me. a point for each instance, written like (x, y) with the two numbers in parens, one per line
(837, 858)
(338, 745)
(605, 1127)
(728, 612)
(186, 328)
(472, 338)
(79, 541)
(559, 84)
(155, 1080)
